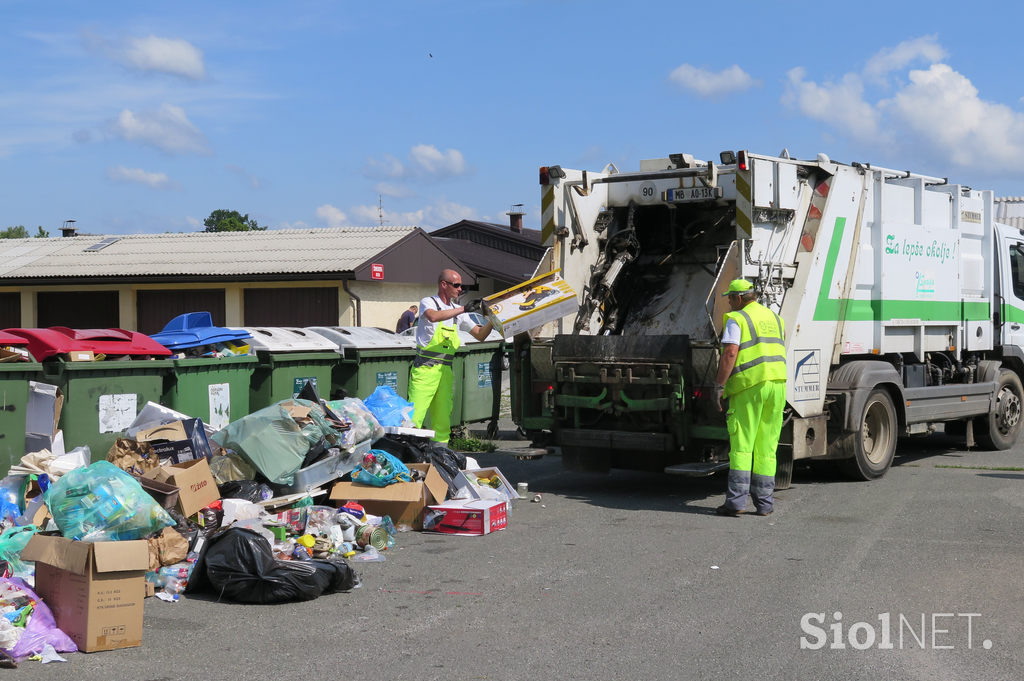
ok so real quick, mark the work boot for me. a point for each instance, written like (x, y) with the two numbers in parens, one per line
(731, 512)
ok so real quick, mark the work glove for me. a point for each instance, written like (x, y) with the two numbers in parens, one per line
(716, 396)
(475, 305)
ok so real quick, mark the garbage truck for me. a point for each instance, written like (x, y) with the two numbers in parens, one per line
(903, 301)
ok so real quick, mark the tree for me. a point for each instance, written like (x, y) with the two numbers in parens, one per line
(16, 232)
(231, 221)
(42, 233)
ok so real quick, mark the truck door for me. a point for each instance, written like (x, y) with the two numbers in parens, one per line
(1013, 290)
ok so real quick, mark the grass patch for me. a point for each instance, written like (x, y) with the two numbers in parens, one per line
(986, 468)
(471, 444)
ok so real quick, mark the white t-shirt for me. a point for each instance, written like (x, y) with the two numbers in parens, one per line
(732, 333)
(425, 329)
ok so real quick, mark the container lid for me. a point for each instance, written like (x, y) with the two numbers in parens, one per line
(282, 339)
(45, 343)
(194, 329)
(9, 339)
(364, 337)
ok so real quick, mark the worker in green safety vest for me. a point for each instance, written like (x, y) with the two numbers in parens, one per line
(752, 376)
(437, 339)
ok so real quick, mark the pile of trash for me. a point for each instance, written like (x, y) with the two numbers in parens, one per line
(271, 508)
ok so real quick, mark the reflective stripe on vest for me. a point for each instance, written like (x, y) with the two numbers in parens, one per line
(761, 355)
(428, 358)
(440, 350)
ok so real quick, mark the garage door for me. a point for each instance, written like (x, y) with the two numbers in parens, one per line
(10, 310)
(79, 310)
(291, 306)
(155, 308)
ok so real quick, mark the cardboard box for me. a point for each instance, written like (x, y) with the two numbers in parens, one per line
(179, 441)
(403, 501)
(506, 486)
(196, 487)
(95, 590)
(42, 415)
(531, 304)
(80, 356)
(467, 518)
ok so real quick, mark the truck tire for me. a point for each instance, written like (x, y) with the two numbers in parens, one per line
(999, 430)
(870, 449)
(784, 468)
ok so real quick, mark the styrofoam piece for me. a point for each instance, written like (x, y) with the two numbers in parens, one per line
(414, 432)
(282, 339)
(326, 470)
(364, 338)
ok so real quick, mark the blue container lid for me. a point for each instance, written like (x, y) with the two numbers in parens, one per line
(193, 329)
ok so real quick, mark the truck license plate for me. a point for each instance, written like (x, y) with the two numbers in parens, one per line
(693, 194)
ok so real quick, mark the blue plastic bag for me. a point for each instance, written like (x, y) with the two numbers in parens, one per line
(394, 471)
(389, 408)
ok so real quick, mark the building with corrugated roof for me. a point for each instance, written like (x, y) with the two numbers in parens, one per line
(293, 277)
(1010, 211)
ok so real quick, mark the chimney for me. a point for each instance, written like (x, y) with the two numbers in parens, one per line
(515, 218)
(68, 228)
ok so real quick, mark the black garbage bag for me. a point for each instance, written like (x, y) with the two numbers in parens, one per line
(238, 564)
(250, 490)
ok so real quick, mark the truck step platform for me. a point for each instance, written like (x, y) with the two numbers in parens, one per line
(697, 469)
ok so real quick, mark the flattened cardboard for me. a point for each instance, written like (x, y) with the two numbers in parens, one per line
(403, 501)
(95, 590)
(196, 487)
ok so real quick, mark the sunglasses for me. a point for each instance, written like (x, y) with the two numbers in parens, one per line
(453, 285)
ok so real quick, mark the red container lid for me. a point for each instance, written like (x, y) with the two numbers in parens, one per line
(57, 340)
(9, 339)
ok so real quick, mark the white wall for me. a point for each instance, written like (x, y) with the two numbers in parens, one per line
(383, 303)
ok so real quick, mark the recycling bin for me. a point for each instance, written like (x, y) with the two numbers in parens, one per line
(477, 373)
(287, 359)
(105, 375)
(201, 384)
(369, 357)
(16, 370)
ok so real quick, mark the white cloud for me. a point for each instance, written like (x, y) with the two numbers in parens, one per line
(332, 216)
(841, 104)
(709, 84)
(894, 58)
(438, 214)
(195, 222)
(393, 190)
(140, 176)
(173, 56)
(166, 128)
(425, 162)
(253, 181)
(298, 224)
(942, 110)
(939, 114)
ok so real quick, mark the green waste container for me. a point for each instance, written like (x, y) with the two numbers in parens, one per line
(215, 390)
(288, 358)
(101, 399)
(369, 357)
(477, 373)
(14, 378)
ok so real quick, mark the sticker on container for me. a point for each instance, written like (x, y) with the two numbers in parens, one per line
(117, 412)
(220, 405)
(483, 375)
(388, 378)
(300, 383)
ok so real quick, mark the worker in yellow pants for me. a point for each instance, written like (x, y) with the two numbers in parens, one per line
(437, 338)
(752, 375)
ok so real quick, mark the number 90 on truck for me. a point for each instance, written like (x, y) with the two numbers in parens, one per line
(903, 301)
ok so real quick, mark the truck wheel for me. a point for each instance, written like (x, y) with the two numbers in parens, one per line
(874, 445)
(999, 430)
(784, 468)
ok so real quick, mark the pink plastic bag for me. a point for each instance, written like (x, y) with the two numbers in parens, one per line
(41, 629)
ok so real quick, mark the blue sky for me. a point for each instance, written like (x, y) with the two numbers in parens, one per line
(129, 117)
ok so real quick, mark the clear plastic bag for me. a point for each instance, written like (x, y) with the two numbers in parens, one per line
(12, 541)
(364, 424)
(389, 408)
(230, 468)
(392, 470)
(269, 440)
(103, 503)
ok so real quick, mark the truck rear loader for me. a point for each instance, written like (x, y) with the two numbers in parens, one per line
(903, 302)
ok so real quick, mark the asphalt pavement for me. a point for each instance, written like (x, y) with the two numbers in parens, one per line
(633, 576)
